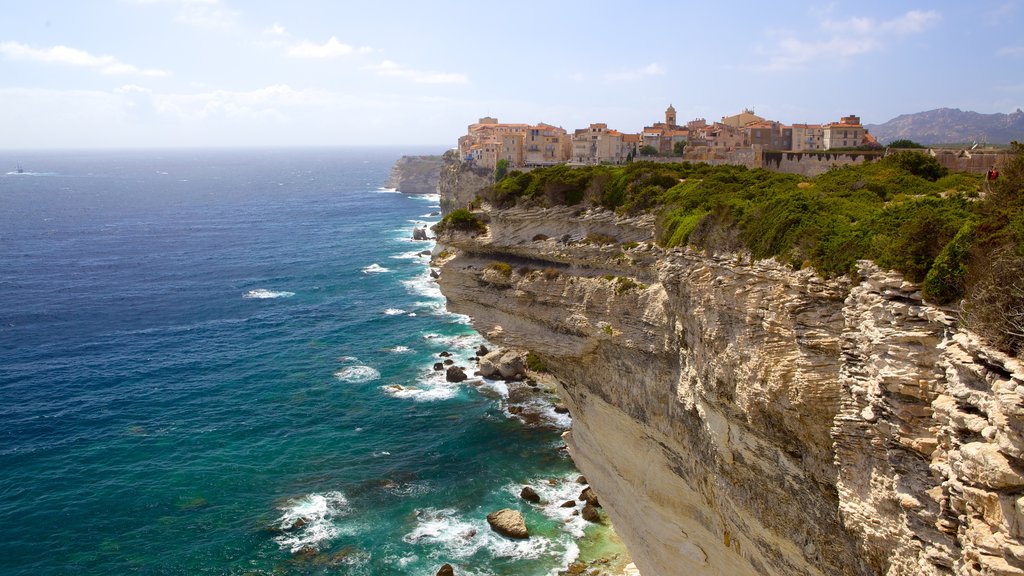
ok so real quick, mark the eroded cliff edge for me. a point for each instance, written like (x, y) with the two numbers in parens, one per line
(740, 417)
(415, 174)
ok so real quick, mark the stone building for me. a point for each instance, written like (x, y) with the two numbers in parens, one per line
(847, 133)
(597, 144)
(807, 137)
(488, 141)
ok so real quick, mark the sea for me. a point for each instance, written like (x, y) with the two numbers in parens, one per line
(222, 362)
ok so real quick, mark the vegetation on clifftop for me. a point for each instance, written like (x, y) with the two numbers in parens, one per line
(905, 212)
(462, 220)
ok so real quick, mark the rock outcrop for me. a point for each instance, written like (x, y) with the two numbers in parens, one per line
(508, 522)
(415, 174)
(460, 181)
(739, 417)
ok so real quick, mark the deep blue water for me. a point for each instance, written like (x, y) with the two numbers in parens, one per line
(199, 348)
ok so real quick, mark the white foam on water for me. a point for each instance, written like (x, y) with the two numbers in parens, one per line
(394, 311)
(545, 412)
(552, 496)
(357, 374)
(264, 294)
(400, 350)
(462, 538)
(413, 255)
(383, 190)
(465, 342)
(427, 197)
(496, 387)
(348, 359)
(309, 521)
(374, 269)
(423, 286)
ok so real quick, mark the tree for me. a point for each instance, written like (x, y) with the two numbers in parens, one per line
(500, 169)
(904, 143)
(678, 148)
(648, 150)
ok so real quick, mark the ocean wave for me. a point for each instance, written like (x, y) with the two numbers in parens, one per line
(427, 197)
(393, 311)
(383, 190)
(357, 374)
(423, 285)
(375, 269)
(553, 493)
(308, 521)
(400, 350)
(264, 294)
(462, 538)
(457, 341)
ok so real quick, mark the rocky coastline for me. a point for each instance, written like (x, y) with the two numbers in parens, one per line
(739, 417)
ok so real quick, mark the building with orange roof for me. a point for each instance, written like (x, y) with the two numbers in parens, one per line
(807, 137)
(769, 135)
(847, 133)
(596, 144)
(488, 141)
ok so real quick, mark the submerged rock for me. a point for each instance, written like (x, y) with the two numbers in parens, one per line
(508, 522)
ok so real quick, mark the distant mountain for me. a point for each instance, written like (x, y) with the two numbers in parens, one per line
(950, 125)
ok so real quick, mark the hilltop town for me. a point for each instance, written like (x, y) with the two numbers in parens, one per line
(731, 140)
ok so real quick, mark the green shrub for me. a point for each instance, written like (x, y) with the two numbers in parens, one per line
(500, 267)
(535, 363)
(462, 220)
(946, 281)
(918, 164)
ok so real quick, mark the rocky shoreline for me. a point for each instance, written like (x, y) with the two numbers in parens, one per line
(532, 399)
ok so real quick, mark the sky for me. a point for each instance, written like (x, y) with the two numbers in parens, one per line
(230, 73)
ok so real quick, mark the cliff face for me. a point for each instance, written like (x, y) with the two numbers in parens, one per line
(415, 174)
(459, 181)
(741, 418)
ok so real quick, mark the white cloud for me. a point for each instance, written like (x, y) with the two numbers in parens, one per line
(652, 69)
(330, 49)
(75, 57)
(276, 30)
(1011, 51)
(844, 39)
(577, 77)
(392, 69)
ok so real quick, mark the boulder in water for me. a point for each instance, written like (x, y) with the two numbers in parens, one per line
(419, 234)
(529, 494)
(508, 522)
(446, 570)
(455, 374)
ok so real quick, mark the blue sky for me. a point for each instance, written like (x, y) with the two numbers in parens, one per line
(159, 73)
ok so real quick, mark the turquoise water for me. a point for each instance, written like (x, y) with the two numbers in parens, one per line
(201, 348)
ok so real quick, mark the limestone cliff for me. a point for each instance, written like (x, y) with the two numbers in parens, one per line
(460, 181)
(415, 174)
(742, 418)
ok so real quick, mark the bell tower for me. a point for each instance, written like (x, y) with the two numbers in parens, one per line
(670, 116)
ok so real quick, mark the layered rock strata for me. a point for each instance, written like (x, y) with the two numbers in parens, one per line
(742, 418)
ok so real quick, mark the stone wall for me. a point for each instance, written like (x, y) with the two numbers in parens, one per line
(812, 164)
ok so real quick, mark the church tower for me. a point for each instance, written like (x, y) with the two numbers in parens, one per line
(670, 116)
